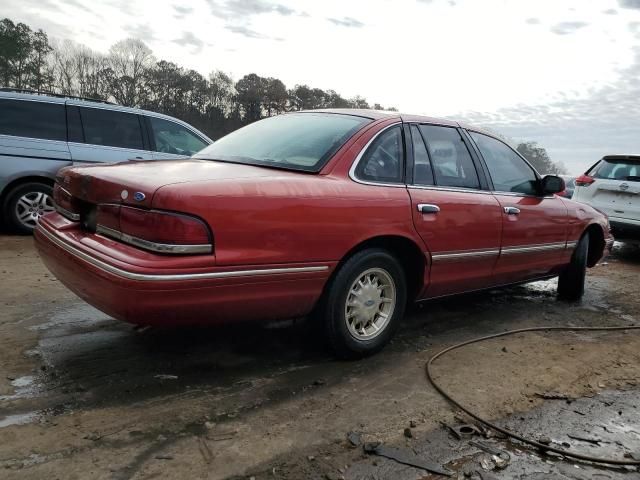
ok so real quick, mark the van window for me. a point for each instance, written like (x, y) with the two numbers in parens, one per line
(174, 138)
(24, 118)
(111, 128)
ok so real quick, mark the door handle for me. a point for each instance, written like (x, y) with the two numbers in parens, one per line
(511, 210)
(427, 208)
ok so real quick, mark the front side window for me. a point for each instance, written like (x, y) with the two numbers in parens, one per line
(383, 160)
(173, 138)
(451, 161)
(111, 128)
(33, 119)
(297, 141)
(509, 172)
(617, 169)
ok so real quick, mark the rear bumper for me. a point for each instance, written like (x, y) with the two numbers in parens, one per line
(625, 229)
(162, 296)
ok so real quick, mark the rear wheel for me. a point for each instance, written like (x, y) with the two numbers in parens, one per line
(571, 281)
(25, 204)
(364, 303)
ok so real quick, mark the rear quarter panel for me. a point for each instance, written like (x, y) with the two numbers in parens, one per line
(301, 218)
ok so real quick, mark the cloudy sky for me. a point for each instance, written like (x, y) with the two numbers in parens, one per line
(563, 73)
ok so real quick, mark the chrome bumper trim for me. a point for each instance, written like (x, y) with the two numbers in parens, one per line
(171, 277)
(153, 246)
(74, 217)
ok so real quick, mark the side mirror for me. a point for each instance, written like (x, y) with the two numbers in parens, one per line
(552, 184)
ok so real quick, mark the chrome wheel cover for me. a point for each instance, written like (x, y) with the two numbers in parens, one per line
(31, 206)
(370, 304)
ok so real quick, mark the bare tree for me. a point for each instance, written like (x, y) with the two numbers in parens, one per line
(129, 75)
(129, 61)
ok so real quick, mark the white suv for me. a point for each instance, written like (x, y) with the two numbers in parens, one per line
(613, 186)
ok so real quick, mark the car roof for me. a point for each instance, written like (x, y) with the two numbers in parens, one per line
(44, 98)
(405, 117)
(621, 157)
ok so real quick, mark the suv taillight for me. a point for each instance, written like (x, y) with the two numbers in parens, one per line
(158, 231)
(584, 181)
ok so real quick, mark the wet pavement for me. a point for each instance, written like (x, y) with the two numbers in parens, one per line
(605, 425)
(81, 393)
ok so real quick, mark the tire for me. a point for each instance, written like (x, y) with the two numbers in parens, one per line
(571, 281)
(359, 329)
(25, 204)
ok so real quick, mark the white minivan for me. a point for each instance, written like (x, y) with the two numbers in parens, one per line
(41, 133)
(613, 186)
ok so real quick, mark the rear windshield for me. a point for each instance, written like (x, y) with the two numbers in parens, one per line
(617, 169)
(297, 141)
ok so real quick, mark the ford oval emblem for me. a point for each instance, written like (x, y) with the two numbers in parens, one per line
(139, 196)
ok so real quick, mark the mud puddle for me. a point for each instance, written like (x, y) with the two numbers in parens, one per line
(603, 425)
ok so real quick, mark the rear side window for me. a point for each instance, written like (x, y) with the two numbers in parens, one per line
(451, 161)
(33, 119)
(111, 128)
(422, 172)
(617, 169)
(509, 172)
(173, 138)
(383, 160)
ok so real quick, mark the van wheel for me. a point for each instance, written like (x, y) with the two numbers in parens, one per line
(25, 204)
(571, 281)
(364, 303)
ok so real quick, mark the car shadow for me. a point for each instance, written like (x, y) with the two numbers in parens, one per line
(91, 360)
(626, 252)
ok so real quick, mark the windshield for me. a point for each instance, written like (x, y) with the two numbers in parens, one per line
(618, 169)
(298, 141)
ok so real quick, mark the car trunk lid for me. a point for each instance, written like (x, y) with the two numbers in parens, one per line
(135, 183)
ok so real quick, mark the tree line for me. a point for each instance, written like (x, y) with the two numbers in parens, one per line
(130, 75)
(539, 158)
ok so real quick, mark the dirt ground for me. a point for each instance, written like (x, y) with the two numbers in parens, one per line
(85, 396)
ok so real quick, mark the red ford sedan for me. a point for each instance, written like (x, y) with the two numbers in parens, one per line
(345, 214)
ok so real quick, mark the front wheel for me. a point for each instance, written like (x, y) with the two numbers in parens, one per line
(571, 281)
(25, 204)
(364, 303)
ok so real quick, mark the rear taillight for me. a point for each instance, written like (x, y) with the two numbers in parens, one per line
(163, 227)
(158, 231)
(65, 203)
(584, 181)
(108, 216)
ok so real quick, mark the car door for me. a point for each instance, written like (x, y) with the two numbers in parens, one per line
(534, 226)
(455, 214)
(172, 140)
(104, 135)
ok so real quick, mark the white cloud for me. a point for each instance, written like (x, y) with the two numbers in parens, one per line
(530, 63)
